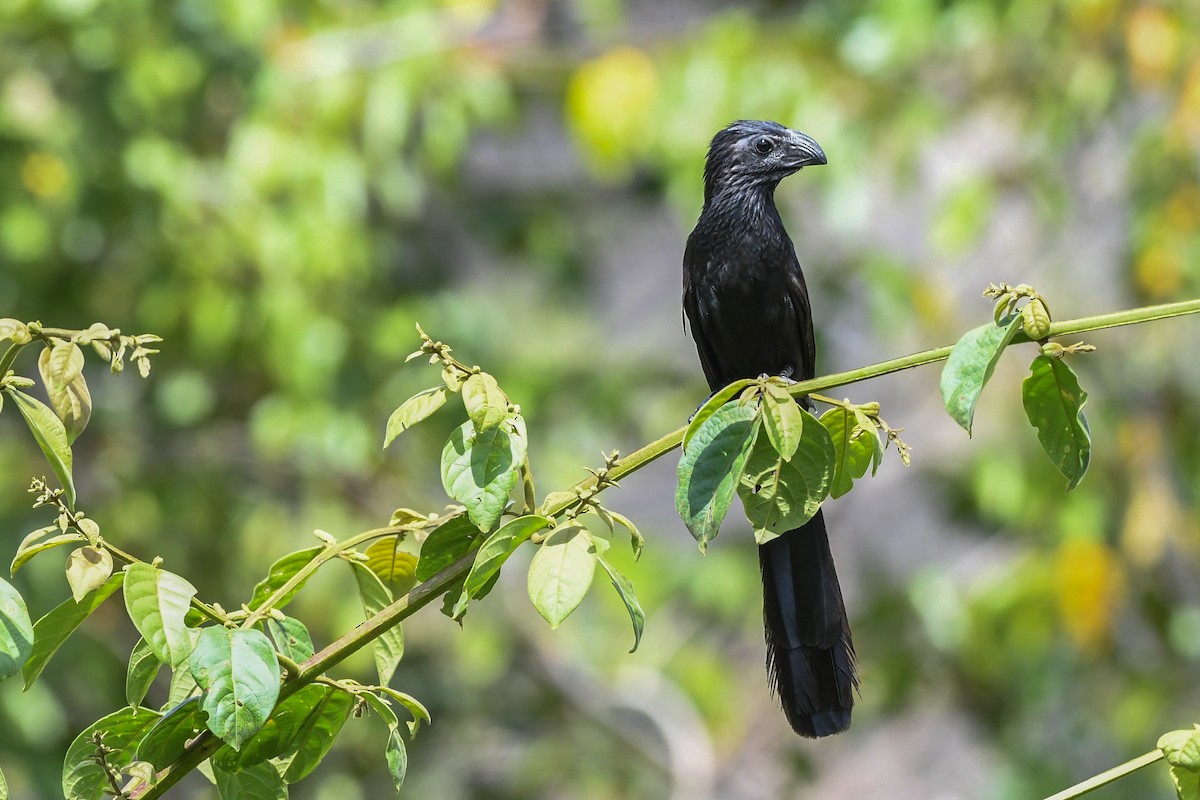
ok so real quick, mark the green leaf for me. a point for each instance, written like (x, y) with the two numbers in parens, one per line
(970, 365)
(710, 468)
(561, 572)
(480, 468)
(281, 735)
(871, 431)
(16, 631)
(157, 602)
(397, 757)
(389, 646)
(498, 547)
(260, 782)
(636, 540)
(1181, 748)
(291, 637)
(416, 408)
(446, 545)
(239, 674)
(61, 367)
(781, 495)
(485, 401)
(183, 686)
(854, 448)
(1054, 405)
(42, 539)
(142, 670)
(282, 571)
(3, 783)
(711, 406)
(414, 706)
(51, 436)
(317, 733)
(628, 597)
(87, 569)
(781, 419)
(1186, 782)
(168, 738)
(394, 560)
(53, 629)
(82, 777)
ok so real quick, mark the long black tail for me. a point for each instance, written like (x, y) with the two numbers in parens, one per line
(810, 658)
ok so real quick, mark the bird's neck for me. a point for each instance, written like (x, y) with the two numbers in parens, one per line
(750, 206)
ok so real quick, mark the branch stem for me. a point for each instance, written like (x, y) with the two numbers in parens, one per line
(1108, 776)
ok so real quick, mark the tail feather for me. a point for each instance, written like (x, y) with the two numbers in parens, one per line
(810, 656)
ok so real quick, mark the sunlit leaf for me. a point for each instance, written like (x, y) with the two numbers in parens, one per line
(561, 572)
(157, 602)
(282, 571)
(1054, 405)
(51, 436)
(854, 448)
(710, 468)
(636, 540)
(397, 757)
(485, 401)
(87, 568)
(780, 495)
(479, 469)
(143, 668)
(781, 420)
(16, 631)
(970, 365)
(43, 539)
(291, 636)
(710, 407)
(61, 368)
(498, 547)
(239, 674)
(416, 408)
(629, 598)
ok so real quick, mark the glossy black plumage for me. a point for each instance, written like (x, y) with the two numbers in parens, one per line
(748, 309)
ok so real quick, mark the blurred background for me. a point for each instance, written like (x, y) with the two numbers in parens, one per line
(282, 190)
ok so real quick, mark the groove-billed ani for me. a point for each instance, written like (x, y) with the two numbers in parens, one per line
(746, 301)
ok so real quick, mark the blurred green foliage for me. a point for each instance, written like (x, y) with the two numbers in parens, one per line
(281, 190)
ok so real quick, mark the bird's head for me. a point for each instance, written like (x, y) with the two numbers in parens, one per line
(751, 153)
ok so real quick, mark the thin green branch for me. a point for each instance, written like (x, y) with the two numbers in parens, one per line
(206, 744)
(1108, 776)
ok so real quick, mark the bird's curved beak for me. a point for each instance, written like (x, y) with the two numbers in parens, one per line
(803, 151)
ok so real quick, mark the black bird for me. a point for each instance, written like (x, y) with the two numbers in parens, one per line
(748, 307)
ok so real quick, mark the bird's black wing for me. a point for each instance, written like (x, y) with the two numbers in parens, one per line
(695, 263)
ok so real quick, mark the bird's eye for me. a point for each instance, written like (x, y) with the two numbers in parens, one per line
(764, 145)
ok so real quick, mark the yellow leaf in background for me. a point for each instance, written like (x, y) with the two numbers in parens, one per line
(1152, 39)
(471, 12)
(1187, 113)
(44, 174)
(609, 100)
(1090, 581)
(1159, 270)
